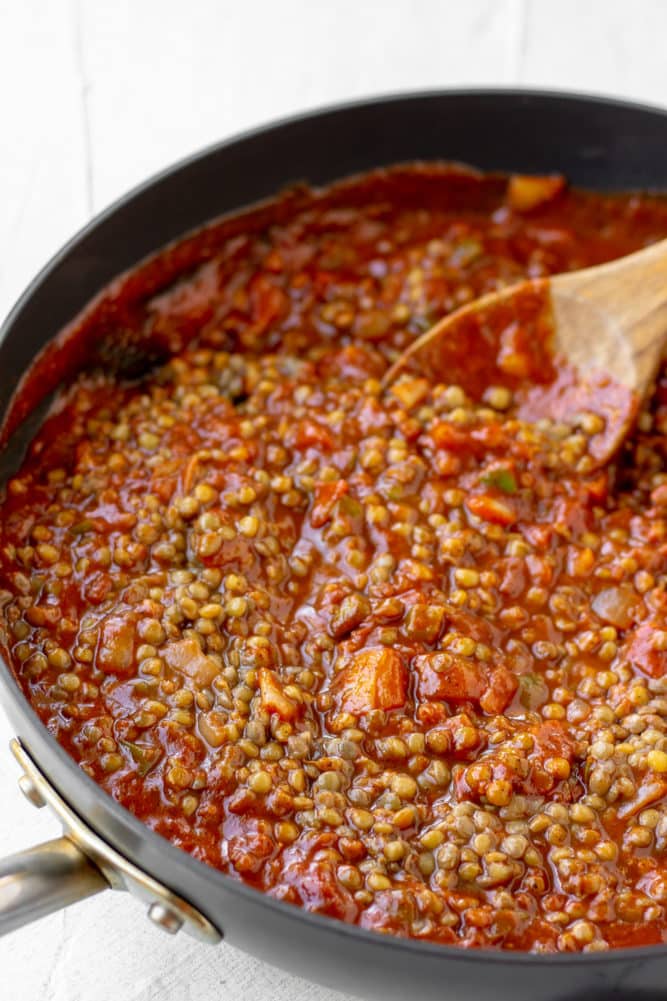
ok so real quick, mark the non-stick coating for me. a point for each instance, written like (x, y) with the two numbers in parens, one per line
(596, 143)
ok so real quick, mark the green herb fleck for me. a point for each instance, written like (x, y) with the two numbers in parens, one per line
(144, 757)
(503, 479)
(81, 527)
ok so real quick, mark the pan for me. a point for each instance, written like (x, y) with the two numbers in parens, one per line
(599, 144)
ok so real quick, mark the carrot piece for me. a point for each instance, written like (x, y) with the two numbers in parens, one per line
(526, 192)
(491, 509)
(375, 678)
(409, 392)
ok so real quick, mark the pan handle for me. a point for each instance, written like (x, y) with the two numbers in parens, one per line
(44, 879)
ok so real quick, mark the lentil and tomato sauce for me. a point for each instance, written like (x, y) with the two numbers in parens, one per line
(396, 657)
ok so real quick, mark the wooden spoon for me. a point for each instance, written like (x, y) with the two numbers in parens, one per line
(584, 342)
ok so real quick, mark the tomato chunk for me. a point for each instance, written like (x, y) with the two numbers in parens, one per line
(375, 678)
(446, 676)
(326, 495)
(553, 740)
(310, 434)
(273, 698)
(456, 679)
(187, 657)
(115, 653)
(644, 649)
(500, 691)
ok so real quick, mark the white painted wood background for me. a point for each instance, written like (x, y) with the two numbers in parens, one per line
(94, 96)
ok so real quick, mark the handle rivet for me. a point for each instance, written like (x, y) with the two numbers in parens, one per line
(165, 918)
(31, 792)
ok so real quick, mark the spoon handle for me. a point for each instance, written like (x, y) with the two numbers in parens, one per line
(613, 317)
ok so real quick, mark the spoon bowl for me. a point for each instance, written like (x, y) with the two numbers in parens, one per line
(585, 342)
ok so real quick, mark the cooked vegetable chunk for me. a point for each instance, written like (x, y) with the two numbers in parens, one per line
(374, 678)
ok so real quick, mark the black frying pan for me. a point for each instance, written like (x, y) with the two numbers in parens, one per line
(597, 143)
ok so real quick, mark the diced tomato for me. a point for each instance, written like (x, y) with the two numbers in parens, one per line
(446, 436)
(643, 650)
(308, 433)
(447, 464)
(473, 625)
(187, 657)
(326, 495)
(181, 744)
(273, 698)
(455, 679)
(372, 417)
(553, 740)
(354, 362)
(249, 849)
(390, 910)
(501, 689)
(490, 437)
(571, 516)
(446, 676)
(115, 652)
(375, 678)
(513, 579)
(98, 587)
(268, 302)
(541, 570)
(312, 884)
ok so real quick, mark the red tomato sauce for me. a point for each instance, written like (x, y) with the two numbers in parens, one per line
(396, 656)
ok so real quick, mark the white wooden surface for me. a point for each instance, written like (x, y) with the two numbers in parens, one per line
(82, 82)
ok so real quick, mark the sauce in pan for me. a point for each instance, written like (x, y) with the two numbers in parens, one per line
(399, 658)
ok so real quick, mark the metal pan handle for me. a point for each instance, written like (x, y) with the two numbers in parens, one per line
(58, 873)
(45, 879)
